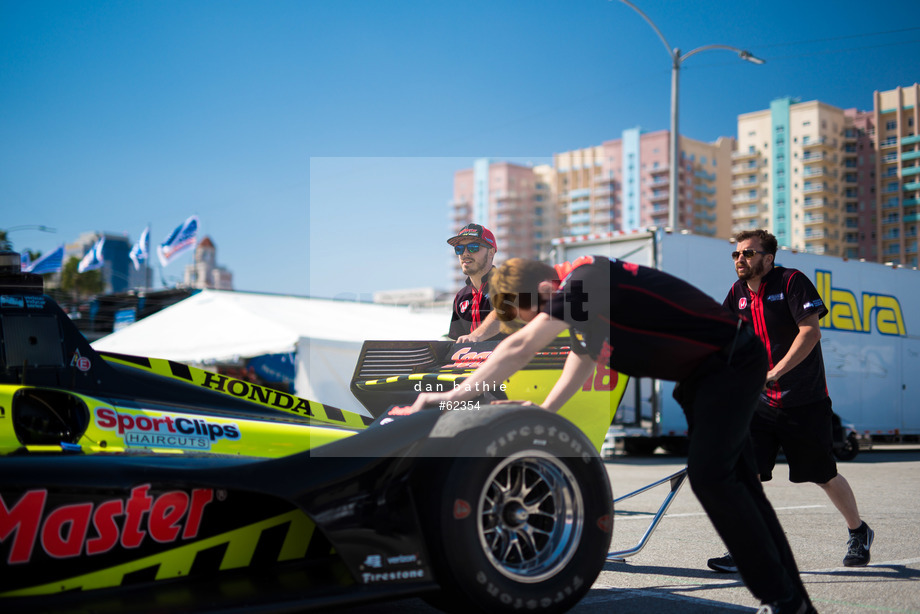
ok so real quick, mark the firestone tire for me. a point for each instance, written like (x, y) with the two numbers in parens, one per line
(523, 519)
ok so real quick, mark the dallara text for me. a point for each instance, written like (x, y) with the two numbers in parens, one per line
(133, 484)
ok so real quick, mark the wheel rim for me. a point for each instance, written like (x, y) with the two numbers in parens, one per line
(531, 516)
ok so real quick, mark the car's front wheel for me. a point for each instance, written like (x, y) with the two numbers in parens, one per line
(523, 517)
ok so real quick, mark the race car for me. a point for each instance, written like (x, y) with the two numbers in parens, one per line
(131, 484)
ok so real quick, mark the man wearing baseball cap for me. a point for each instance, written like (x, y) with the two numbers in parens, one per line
(475, 248)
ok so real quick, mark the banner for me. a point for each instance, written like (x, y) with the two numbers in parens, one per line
(49, 263)
(140, 250)
(181, 239)
(92, 260)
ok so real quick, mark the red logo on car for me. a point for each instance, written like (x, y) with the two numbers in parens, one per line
(64, 532)
(462, 509)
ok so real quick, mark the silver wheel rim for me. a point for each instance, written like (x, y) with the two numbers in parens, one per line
(531, 516)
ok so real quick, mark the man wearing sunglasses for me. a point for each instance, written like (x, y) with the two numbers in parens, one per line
(794, 411)
(475, 248)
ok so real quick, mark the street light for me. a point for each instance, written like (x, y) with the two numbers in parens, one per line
(676, 60)
(7, 244)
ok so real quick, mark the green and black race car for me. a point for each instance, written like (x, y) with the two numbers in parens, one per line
(131, 484)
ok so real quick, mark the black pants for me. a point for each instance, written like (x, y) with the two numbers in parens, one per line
(719, 401)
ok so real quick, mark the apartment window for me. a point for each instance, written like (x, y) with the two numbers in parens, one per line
(806, 123)
(891, 124)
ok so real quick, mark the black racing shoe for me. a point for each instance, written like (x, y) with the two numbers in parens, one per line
(858, 547)
(723, 564)
(795, 606)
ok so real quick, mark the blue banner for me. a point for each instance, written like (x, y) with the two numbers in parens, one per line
(141, 249)
(92, 260)
(49, 263)
(184, 237)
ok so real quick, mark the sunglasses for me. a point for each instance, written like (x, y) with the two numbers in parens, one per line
(747, 253)
(470, 247)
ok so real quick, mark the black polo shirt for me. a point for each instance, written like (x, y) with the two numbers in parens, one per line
(785, 298)
(471, 307)
(651, 324)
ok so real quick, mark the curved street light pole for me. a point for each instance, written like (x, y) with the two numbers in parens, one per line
(676, 60)
(7, 244)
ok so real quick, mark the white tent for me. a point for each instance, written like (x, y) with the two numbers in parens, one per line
(325, 335)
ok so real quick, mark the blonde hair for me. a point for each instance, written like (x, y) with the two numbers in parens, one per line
(515, 285)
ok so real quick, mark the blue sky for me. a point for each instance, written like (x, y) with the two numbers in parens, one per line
(317, 140)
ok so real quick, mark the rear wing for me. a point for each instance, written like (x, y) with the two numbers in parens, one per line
(395, 372)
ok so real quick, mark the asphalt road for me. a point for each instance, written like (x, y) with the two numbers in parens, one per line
(670, 573)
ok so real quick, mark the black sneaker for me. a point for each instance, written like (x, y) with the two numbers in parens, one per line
(723, 564)
(797, 605)
(858, 547)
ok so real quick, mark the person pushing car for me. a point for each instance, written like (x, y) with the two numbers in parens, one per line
(647, 323)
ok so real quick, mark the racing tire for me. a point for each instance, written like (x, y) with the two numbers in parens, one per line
(524, 517)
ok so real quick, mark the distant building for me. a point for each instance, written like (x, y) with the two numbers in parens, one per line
(204, 272)
(511, 200)
(832, 181)
(624, 185)
(117, 271)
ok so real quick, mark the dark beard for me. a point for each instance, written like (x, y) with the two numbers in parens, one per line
(754, 270)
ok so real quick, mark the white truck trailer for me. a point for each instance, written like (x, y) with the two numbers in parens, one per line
(870, 337)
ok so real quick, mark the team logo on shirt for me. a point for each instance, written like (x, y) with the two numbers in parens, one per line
(742, 302)
(775, 297)
(464, 306)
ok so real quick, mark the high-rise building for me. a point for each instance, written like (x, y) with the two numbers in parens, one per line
(791, 174)
(624, 184)
(832, 181)
(512, 200)
(896, 117)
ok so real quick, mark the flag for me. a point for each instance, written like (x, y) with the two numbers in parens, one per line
(25, 260)
(139, 251)
(92, 260)
(182, 238)
(49, 263)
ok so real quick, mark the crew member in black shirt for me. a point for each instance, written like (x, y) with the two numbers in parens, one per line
(794, 411)
(646, 323)
(475, 247)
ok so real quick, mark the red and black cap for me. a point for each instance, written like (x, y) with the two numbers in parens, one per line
(475, 231)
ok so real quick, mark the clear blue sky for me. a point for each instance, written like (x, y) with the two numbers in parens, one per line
(317, 140)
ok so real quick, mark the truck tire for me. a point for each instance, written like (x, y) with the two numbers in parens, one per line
(848, 450)
(640, 446)
(522, 519)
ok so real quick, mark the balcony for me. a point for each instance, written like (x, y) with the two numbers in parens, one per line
(743, 155)
(889, 142)
(910, 170)
(815, 188)
(814, 203)
(705, 189)
(910, 155)
(914, 185)
(910, 140)
(743, 213)
(815, 234)
(812, 157)
(817, 171)
(821, 142)
(750, 167)
(744, 183)
(658, 197)
(745, 198)
(813, 219)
